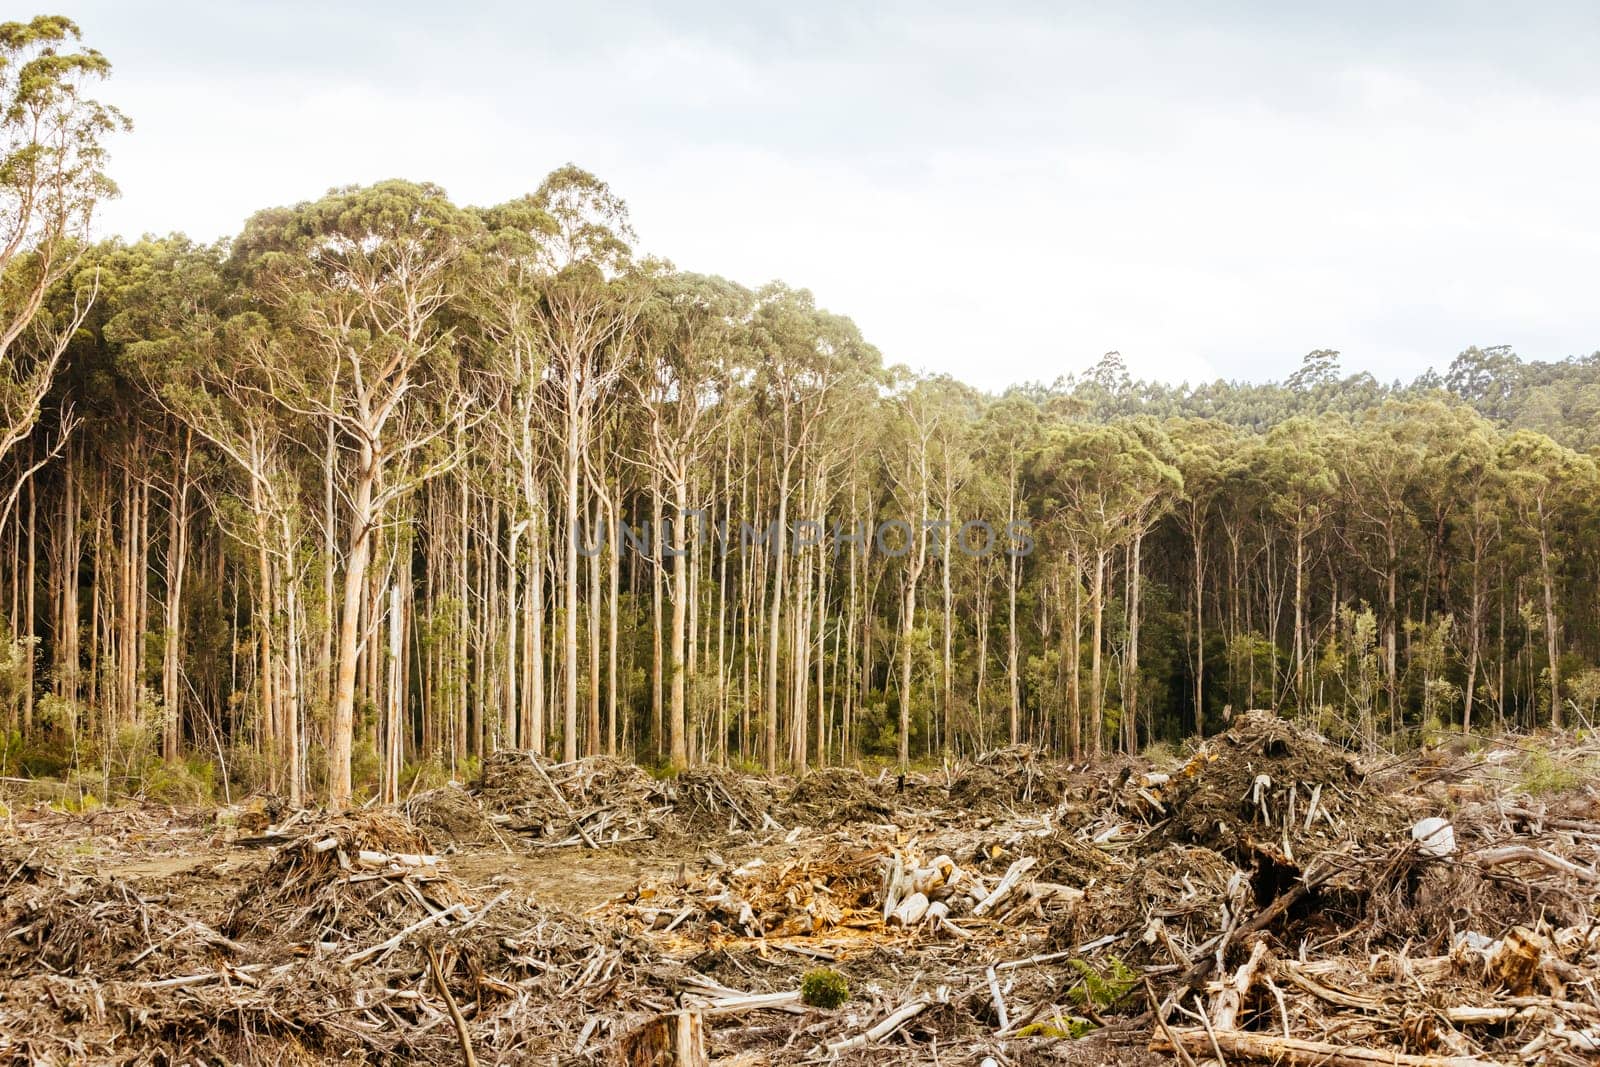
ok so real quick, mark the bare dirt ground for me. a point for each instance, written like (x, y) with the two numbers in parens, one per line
(1266, 898)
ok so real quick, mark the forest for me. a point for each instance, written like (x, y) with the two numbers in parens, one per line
(384, 484)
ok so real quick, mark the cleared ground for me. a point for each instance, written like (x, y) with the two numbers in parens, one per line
(1262, 898)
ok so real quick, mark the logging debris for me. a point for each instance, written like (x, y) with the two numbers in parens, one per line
(1263, 898)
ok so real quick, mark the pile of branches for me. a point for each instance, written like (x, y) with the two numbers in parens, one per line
(837, 796)
(1268, 901)
(595, 801)
(345, 946)
(1010, 777)
(713, 799)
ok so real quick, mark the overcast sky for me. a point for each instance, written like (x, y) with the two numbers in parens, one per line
(1001, 192)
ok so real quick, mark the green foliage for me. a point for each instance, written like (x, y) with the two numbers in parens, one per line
(82, 803)
(1291, 532)
(423, 775)
(364, 764)
(1102, 989)
(824, 988)
(1060, 1028)
(11, 749)
(1542, 775)
(468, 768)
(191, 781)
(248, 770)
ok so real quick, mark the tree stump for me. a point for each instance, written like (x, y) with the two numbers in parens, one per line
(674, 1040)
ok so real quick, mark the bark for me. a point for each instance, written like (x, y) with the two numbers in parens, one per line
(358, 555)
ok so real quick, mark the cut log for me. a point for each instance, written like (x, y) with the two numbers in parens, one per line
(714, 1007)
(675, 1040)
(1013, 878)
(910, 911)
(369, 858)
(1296, 1052)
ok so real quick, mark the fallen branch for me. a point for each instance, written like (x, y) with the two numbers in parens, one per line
(456, 1018)
(712, 1007)
(894, 1021)
(1013, 877)
(395, 941)
(1495, 857)
(1296, 1052)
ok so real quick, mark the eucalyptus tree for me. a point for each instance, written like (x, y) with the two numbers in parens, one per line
(360, 280)
(1542, 479)
(1008, 432)
(1380, 463)
(688, 333)
(910, 470)
(954, 409)
(802, 355)
(584, 323)
(52, 176)
(1104, 485)
(171, 315)
(1461, 496)
(505, 308)
(1292, 462)
(1203, 450)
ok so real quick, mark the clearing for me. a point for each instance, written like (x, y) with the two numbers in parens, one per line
(1267, 898)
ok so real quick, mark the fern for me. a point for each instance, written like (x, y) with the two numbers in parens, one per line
(1102, 990)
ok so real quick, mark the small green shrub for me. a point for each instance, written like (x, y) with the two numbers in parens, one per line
(824, 988)
(1161, 754)
(77, 805)
(1542, 775)
(422, 776)
(191, 781)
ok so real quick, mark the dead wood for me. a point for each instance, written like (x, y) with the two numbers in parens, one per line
(1299, 1052)
(675, 1040)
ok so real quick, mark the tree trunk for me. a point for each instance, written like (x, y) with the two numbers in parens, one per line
(1551, 631)
(678, 725)
(355, 582)
(1097, 608)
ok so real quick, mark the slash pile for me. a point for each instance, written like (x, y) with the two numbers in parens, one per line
(1266, 898)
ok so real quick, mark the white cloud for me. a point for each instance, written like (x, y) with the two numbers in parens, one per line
(1000, 197)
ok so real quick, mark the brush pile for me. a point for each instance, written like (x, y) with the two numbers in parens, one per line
(1018, 776)
(345, 947)
(836, 796)
(595, 801)
(716, 800)
(1267, 899)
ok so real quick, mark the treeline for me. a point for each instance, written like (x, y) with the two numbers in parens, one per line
(324, 504)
